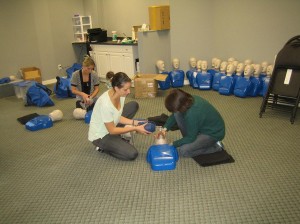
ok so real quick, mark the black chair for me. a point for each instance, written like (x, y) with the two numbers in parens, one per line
(284, 87)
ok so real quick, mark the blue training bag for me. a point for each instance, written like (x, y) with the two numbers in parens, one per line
(62, 89)
(72, 69)
(38, 95)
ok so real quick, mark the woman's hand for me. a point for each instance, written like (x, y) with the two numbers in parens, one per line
(141, 129)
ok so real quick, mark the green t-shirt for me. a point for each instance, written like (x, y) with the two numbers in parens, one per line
(201, 118)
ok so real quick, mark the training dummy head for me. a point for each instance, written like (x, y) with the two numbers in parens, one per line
(193, 62)
(79, 113)
(56, 115)
(160, 64)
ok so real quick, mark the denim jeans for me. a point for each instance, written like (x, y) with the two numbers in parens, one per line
(204, 144)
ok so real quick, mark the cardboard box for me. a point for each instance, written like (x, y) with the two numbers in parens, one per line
(32, 73)
(146, 86)
(159, 17)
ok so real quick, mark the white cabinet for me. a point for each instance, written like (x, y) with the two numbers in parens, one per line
(80, 26)
(115, 58)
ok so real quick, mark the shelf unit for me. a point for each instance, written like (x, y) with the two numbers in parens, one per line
(80, 26)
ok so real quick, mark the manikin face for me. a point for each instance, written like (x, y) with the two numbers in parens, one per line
(257, 70)
(230, 69)
(204, 65)
(240, 68)
(235, 63)
(264, 66)
(193, 62)
(160, 65)
(269, 70)
(248, 70)
(213, 61)
(176, 63)
(217, 63)
(223, 66)
(199, 64)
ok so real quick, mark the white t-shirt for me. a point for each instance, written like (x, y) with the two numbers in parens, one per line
(104, 112)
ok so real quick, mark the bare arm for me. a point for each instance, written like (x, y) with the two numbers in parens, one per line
(113, 130)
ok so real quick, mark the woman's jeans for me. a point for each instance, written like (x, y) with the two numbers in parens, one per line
(203, 144)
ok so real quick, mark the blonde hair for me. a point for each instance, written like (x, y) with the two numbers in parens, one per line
(88, 61)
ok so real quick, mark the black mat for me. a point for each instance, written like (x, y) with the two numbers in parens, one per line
(216, 158)
(23, 120)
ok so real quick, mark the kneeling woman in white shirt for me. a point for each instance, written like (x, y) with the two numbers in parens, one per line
(109, 112)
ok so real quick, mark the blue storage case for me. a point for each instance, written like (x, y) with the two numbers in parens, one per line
(39, 122)
(162, 157)
(87, 117)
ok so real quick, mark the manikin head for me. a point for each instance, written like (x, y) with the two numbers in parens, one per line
(240, 68)
(248, 62)
(264, 66)
(257, 70)
(199, 62)
(230, 69)
(217, 64)
(79, 113)
(160, 64)
(235, 63)
(204, 66)
(248, 71)
(175, 63)
(193, 62)
(230, 60)
(213, 60)
(56, 115)
(223, 66)
(269, 70)
(12, 77)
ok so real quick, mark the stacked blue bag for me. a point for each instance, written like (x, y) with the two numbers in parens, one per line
(62, 89)
(38, 95)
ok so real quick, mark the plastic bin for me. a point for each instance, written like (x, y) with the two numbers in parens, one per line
(21, 89)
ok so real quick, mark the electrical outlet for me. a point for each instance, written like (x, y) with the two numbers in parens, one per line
(59, 67)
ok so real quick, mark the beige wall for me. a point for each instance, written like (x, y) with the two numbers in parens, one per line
(39, 32)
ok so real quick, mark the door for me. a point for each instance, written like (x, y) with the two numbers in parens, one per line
(102, 64)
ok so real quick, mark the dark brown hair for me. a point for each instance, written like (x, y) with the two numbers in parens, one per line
(178, 101)
(119, 79)
(109, 75)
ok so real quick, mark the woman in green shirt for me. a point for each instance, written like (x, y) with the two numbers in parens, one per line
(201, 125)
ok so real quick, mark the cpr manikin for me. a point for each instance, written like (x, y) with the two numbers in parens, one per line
(7, 79)
(193, 68)
(193, 78)
(44, 121)
(257, 70)
(227, 82)
(242, 87)
(240, 69)
(264, 66)
(160, 64)
(204, 79)
(223, 67)
(217, 64)
(249, 70)
(177, 75)
(219, 73)
(163, 85)
(265, 80)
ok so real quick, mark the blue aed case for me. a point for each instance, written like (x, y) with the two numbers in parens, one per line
(39, 122)
(162, 157)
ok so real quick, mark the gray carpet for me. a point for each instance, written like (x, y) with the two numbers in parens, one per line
(56, 176)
